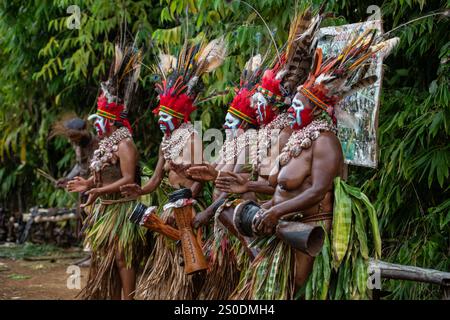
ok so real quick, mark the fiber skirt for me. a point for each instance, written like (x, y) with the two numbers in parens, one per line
(109, 234)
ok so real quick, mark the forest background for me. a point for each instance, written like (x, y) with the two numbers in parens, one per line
(48, 69)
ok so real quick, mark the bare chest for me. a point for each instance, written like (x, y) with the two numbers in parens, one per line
(295, 173)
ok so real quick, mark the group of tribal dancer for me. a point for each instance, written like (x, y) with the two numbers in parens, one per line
(274, 176)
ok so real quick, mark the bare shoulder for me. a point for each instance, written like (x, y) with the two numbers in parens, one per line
(327, 142)
(127, 145)
(127, 142)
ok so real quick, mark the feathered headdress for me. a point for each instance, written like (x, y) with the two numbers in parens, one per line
(180, 76)
(294, 66)
(339, 76)
(241, 104)
(116, 92)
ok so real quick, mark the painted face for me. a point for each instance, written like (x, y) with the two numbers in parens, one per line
(232, 123)
(264, 114)
(102, 125)
(167, 123)
(300, 112)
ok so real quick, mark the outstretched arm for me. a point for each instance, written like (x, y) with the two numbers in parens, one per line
(157, 176)
(132, 189)
(205, 216)
(78, 184)
(231, 182)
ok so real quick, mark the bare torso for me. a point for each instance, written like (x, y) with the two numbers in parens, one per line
(294, 178)
(276, 145)
(188, 157)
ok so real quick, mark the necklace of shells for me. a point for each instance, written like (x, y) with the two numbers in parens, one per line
(233, 147)
(265, 135)
(171, 147)
(106, 149)
(303, 138)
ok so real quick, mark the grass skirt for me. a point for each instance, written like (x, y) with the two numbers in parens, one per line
(271, 275)
(339, 271)
(226, 258)
(108, 231)
(163, 277)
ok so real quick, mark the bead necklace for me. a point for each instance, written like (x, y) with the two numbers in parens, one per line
(107, 146)
(171, 147)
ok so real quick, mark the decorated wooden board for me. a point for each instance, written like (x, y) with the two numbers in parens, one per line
(357, 114)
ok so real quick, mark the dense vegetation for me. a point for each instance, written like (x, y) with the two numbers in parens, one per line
(47, 69)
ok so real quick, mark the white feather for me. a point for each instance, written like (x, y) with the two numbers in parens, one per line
(253, 63)
(213, 54)
(167, 63)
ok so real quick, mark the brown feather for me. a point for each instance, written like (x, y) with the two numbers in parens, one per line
(361, 84)
(300, 50)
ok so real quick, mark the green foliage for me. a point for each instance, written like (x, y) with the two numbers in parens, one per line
(48, 69)
(411, 184)
(28, 250)
(340, 270)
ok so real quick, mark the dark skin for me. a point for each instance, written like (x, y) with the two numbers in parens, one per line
(301, 185)
(240, 184)
(128, 156)
(83, 153)
(237, 182)
(234, 180)
(175, 171)
(210, 172)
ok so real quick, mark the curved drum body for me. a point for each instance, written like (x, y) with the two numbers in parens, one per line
(301, 236)
(194, 259)
(146, 216)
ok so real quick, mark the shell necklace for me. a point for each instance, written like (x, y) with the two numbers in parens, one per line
(171, 146)
(265, 135)
(107, 146)
(233, 147)
(303, 138)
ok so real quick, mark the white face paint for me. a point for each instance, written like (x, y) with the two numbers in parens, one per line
(297, 107)
(260, 103)
(166, 122)
(232, 123)
(99, 124)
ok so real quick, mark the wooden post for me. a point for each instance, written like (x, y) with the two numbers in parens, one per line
(402, 272)
(345, 172)
(445, 290)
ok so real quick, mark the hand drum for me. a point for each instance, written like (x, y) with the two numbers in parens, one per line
(194, 260)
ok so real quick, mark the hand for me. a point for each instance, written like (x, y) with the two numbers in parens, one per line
(231, 182)
(265, 222)
(61, 183)
(78, 184)
(179, 168)
(131, 190)
(201, 218)
(93, 195)
(204, 172)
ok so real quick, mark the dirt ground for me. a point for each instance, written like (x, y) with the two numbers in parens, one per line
(37, 280)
